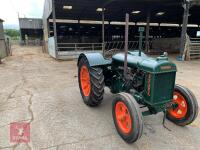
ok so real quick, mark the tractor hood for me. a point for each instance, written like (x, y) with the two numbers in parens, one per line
(153, 65)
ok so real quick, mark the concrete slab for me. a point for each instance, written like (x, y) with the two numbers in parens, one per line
(35, 88)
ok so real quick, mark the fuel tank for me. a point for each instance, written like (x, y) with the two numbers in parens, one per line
(145, 63)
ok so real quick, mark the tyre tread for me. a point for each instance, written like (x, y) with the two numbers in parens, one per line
(97, 84)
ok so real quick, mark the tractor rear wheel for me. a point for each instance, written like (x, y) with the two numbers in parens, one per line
(127, 117)
(91, 83)
(187, 107)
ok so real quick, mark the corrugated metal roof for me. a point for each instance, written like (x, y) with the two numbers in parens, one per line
(47, 9)
(30, 23)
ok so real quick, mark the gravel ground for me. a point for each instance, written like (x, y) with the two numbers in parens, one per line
(36, 89)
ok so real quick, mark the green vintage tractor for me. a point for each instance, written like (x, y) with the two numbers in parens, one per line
(148, 83)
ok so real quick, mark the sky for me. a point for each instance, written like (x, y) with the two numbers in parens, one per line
(9, 10)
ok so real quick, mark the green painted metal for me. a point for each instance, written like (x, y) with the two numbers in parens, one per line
(146, 113)
(159, 82)
(159, 88)
(141, 31)
(157, 79)
(151, 65)
(117, 85)
(95, 59)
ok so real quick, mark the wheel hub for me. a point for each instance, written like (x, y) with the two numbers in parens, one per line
(85, 81)
(181, 110)
(123, 117)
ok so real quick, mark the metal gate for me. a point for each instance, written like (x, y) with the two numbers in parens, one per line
(194, 52)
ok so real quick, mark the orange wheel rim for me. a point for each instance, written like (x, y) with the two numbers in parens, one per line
(123, 117)
(85, 81)
(182, 107)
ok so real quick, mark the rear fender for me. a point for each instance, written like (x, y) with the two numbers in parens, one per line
(95, 59)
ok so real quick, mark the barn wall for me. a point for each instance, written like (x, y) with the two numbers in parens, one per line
(47, 9)
(166, 45)
(1, 31)
(47, 12)
(29, 23)
(2, 42)
(3, 53)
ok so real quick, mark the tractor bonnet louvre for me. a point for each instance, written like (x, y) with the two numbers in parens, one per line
(163, 83)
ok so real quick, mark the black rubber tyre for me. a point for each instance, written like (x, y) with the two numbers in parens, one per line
(96, 81)
(192, 107)
(135, 114)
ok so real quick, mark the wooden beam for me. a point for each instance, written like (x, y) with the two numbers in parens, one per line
(147, 31)
(55, 27)
(186, 7)
(103, 31)
(48, 28)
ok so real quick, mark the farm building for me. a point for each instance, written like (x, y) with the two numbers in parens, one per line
(3, 48)
(71, 27)
(31, 31)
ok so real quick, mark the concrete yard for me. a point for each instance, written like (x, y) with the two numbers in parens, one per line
(36, 89)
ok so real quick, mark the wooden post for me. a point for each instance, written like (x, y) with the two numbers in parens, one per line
(55, 27)
(186, 7)
(93, 47)
(75, 47)
(126, 45)
(79, 32)
(48, 28)
(147, 31)
(103, 31)
(20, 33)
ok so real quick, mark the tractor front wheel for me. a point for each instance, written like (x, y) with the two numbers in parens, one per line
(187, 107)
(91, 83)
(127, 117)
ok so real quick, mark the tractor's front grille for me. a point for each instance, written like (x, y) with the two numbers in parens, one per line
(160, 87)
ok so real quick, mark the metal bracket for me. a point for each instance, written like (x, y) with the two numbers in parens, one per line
(164, 119)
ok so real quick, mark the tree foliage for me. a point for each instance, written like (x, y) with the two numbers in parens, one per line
(13, 33)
